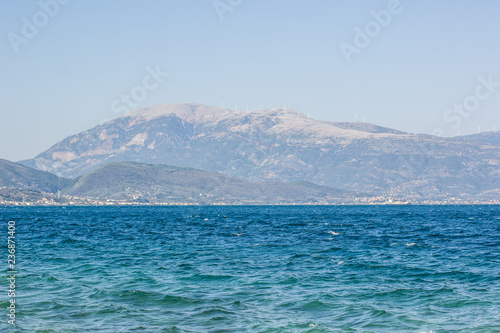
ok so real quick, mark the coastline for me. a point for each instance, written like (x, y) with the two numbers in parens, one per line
(162, 204)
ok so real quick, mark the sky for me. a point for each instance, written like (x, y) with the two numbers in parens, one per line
(420, 66)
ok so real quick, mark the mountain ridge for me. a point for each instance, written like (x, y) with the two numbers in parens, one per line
(163, 183)
(15, 175)
(158, 183)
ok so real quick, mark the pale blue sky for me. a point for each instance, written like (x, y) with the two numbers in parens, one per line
(65, 78)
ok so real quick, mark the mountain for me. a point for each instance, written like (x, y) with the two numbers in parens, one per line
(365, 127)
(492, 138)
(284, 145)
(13, 195)
(162, 183)
(130, 181)
(19, 177)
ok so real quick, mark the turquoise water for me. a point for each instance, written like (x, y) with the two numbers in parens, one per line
(254, 269)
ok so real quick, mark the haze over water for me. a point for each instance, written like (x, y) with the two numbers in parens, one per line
(257, 269)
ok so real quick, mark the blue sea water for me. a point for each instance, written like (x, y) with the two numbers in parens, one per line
(254, 269)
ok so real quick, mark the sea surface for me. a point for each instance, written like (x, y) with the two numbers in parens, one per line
(254, 269)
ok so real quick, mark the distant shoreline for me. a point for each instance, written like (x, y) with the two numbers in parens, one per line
(244, 204)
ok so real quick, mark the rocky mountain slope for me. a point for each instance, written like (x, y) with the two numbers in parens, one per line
(284, 145)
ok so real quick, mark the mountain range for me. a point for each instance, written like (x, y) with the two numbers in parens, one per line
(286, 146)
(148, 183)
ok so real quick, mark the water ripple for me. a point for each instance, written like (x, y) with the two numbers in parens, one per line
(257, 269)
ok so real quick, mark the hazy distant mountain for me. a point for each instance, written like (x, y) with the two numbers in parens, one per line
(17, 176)
(162, 183)
(284, 145)
(492, 138)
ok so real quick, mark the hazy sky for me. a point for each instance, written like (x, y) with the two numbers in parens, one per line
(419, 66)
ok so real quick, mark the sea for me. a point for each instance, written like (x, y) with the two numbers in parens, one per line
(408, 268)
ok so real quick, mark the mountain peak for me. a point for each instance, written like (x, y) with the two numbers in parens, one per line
(281, 120)
(195, 112)
(189, 112)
